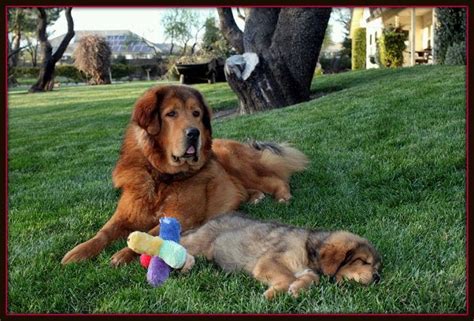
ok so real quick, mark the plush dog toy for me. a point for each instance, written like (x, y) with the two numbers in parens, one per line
(161, 254)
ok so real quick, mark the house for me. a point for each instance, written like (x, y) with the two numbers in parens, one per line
(122, 42)
(418, 23)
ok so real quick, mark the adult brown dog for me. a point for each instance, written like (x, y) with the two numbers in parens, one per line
(170, 166)
(287, 258)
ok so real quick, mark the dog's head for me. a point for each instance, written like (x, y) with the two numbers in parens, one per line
(344, 255)
(173, 128)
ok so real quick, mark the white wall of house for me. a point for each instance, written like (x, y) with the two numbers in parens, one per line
(373, 32)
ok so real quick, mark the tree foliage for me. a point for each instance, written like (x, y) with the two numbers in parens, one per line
(450, 29)
(213, 41)
(92, 56)
(180, 26)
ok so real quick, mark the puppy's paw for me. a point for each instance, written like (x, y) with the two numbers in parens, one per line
(285, 200)
(188, 265)
(294, 289)
(269, 294)
(256, 197)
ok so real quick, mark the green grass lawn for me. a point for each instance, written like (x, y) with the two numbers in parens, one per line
(387, 150)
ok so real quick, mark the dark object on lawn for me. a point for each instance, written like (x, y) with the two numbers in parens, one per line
(209, 72)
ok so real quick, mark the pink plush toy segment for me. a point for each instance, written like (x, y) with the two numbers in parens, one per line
(145, 260)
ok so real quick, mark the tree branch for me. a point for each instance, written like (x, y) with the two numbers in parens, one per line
(67, 38)
(230, 30)
(17, 50)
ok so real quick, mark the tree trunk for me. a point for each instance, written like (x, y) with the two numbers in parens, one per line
(16, 39)
(281, 50)
(46, 77)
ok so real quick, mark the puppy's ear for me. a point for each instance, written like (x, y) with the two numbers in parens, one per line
(335, 253)
(146, 112)
(206, 116)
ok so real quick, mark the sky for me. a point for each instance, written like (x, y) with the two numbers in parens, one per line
(143, 21)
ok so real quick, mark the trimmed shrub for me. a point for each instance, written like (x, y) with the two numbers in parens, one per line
(456, 54)
(359, 49)
(69, 72)
(450, 29)
(391, 47)
(120, 71)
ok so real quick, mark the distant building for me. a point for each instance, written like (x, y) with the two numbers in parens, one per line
(417, 23)
(122, 42)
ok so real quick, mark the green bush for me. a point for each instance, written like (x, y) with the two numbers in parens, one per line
(359, 49)
(120, 71)
(456, 54)
(69, 72)
(26, 72)
(331, 65)
(450, 29)
(391, 47)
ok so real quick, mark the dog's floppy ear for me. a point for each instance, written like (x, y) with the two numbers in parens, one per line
(206, 116)
(146, 112)
(336, 252)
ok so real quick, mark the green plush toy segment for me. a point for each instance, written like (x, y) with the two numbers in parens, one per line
(173, 254)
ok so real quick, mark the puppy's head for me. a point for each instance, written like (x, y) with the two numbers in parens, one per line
(173, 128)
(344, 255)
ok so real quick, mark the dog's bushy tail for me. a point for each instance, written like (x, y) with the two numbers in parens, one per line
(281, 158)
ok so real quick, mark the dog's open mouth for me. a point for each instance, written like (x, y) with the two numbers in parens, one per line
(190, 154)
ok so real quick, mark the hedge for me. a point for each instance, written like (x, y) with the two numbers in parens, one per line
(359, 49)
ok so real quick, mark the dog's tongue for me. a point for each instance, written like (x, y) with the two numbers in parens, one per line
(191, 150)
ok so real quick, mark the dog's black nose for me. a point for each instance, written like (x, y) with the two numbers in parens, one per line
(192, 133)
(376, 277)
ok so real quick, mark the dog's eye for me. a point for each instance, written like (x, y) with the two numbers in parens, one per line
(171, 114)
(361, 261)
(196, 113)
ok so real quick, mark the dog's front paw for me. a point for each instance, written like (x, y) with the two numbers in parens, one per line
(122, 257)
(82, 252)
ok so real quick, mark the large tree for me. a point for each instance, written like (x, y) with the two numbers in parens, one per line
(49, 59)
(20, 22)
(279, 49)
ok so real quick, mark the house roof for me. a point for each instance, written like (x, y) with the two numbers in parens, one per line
(120, 41)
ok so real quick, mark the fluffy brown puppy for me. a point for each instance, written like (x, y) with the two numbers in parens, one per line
(170, 166)
(287, 258)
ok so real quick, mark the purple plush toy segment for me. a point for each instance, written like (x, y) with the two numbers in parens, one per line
(158, 271)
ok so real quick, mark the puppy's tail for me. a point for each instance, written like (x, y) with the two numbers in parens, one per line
(281, 158)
